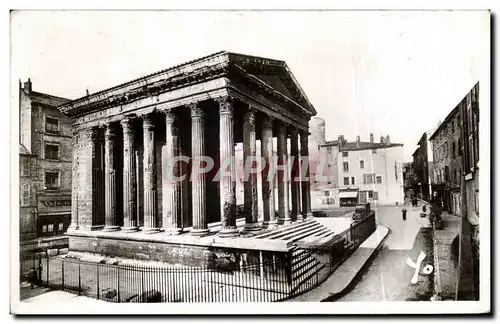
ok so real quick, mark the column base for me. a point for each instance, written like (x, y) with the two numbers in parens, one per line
(131, 229)
(251, 227)
(307, 215)
(270, 224)
(294, 217)
(111, 228)
(173, 231)
(199, 232)
(150, 230)
(230, 231)
(96, 227)
(284, 221)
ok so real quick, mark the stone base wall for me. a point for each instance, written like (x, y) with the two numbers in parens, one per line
(172, 253)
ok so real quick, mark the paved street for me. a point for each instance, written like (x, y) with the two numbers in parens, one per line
(386, 277)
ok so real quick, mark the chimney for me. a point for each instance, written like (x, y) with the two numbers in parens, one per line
(28, 86)
(87, 91)
(387, 140)
(357, 141)
(381, 139)
(371, 137)
(341, 140)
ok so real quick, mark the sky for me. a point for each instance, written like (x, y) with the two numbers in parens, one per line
(381, 72)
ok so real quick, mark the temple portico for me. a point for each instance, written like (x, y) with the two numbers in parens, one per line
(141, 150)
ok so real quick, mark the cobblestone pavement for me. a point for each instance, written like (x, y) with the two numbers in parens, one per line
(387, 276)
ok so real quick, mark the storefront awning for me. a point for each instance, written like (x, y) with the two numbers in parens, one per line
(348, 194)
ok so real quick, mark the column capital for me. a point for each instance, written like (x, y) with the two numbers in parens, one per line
(196, 110)
(293, 132)
(109, 131)
(250, 114)
(170, 117)
(226, 104)
(267, 121)
(127, 123)
(147, 122)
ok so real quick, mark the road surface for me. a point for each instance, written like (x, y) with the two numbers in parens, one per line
(387, 276)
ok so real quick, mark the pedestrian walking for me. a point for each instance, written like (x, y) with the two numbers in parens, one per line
(403, 211)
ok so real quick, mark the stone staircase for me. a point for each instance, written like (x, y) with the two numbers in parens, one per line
(304, 265)
(310, 229)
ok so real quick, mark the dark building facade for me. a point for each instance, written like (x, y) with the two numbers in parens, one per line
(46, 136)
(27, 197)
(446, 152)
(423, 166)
(408, 177)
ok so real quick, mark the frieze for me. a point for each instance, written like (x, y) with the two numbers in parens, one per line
(56, 203)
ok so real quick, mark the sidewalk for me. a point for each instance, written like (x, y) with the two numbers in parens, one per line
(446, 257)
(345, 273)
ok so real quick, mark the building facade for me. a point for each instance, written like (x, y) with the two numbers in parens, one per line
(447, 161)
(423, 166)
(470, 247)
(408, 178)
(46, 134)
(27, 195)
(372, 171)
(126, 138)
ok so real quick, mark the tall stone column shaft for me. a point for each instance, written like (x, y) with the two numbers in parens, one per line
(111, 221)
(250, 178)
(74, 184)
(227, 161)
(295, 172)
(283, 186)
(149, 178)
(267, 154)
(306, 184)
(172, 204)
(130, 221)
(200, 224)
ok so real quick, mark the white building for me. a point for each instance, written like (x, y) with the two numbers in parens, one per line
(370, 172)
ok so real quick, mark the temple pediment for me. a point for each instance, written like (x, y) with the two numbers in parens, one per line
(271, 76)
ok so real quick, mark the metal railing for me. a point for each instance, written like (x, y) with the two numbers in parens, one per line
(276, 277)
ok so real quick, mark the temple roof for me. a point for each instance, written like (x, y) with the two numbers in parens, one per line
(273, 75)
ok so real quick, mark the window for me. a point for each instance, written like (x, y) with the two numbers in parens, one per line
(327, 193)
(379, 179)
(346, 166)
(51, 125)
(52, 151)
(374, 151)
(25, 195)
(459, 148)
(352, 180)
(346, 181)
(375, 195)
(50, 228)
(25, 171)
(44, 229)
(345, 154)
(368, 178)
(453, 150)
(361, 164)
(52, 180)
(370, 194)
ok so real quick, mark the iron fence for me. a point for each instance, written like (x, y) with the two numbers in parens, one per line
(276, 277)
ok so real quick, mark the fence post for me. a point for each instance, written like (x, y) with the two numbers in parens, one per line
(97, 280)
(48, 270)
(289, 268)
(62, 270)
(79, 279)
(118, 281)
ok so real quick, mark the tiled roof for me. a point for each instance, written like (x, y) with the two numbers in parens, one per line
(331, 143)
(23, 150)
(47, 99)
(355, 146)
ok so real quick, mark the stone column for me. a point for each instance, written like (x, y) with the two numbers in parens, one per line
(283, 189)
(200, 224)
(306, 185)
(172, 204)
(227, 181)
(294, 181)
(250, 179)
(149, 178)
(111, 221)
(130, 221)
(267, 153)
(75, 184)
(98, 177)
